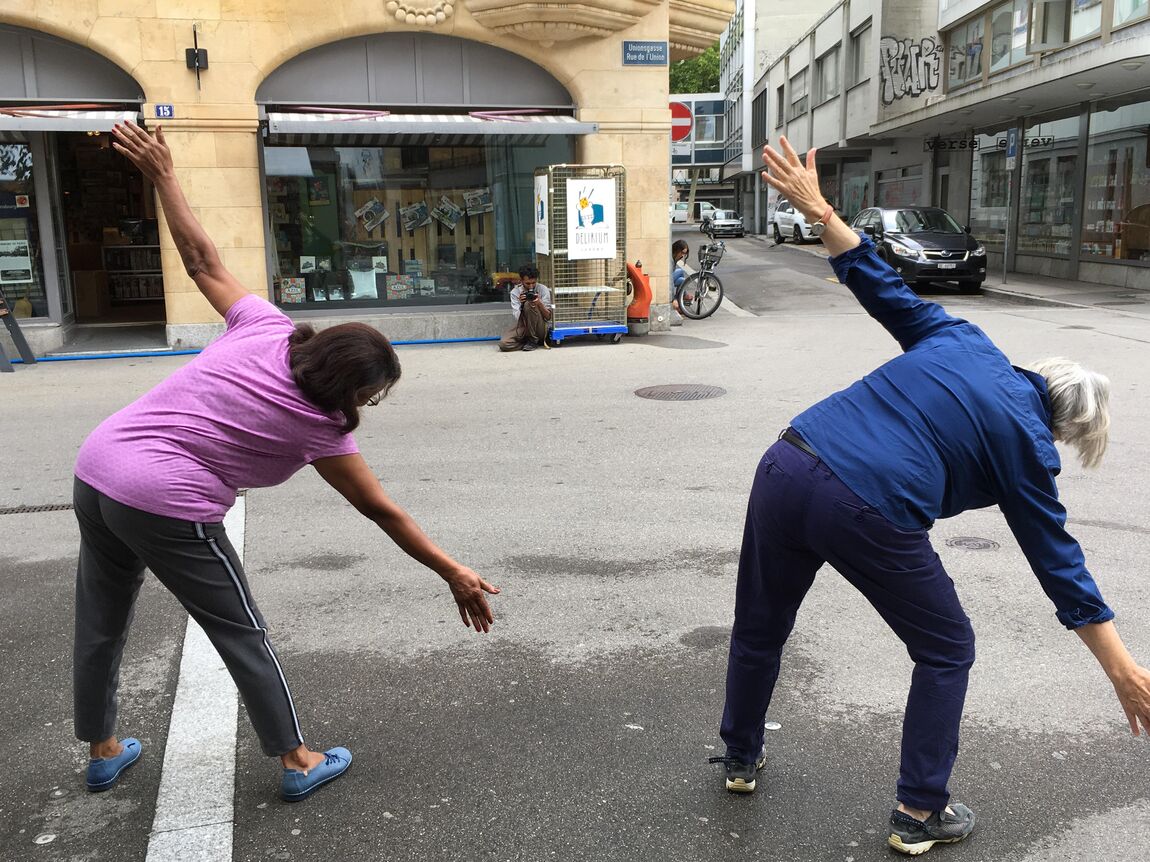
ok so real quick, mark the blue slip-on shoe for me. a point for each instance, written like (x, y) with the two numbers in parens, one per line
(104, 771)
(296, 785)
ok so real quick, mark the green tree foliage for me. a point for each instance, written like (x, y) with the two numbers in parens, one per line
(697, 75)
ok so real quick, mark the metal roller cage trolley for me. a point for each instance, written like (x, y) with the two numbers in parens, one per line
(580, 240)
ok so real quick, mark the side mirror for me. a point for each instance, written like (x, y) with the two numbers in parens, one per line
(869, 230)
(966, 228)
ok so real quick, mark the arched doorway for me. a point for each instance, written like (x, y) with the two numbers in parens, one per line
(81, 220)
(399, 170)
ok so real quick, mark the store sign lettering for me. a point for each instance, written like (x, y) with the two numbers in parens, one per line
(937, 144)
(908, 68)
(1026, 143)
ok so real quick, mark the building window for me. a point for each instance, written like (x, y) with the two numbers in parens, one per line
(965, 53)
(1116, 207)
(402, 226)
(759, 120)
(710, 129)
(1046, 201)
(989, 190)
(780, 105)
(1127, 11)
(1007, 35)
(899, 187)
(799, 98)
(1054, 23)
(827, 76)
(858, 57)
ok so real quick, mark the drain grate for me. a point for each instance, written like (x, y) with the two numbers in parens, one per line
(972, 543)
(31, 510)
(680, 392)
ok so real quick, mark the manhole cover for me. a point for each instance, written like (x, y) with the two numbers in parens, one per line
(680, 392)
(972, 543)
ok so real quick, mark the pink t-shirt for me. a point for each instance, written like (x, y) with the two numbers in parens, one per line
(231, 418)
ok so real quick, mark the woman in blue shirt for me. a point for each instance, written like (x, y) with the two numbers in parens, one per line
(858, 480)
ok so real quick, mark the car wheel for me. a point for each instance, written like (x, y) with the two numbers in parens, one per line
(798, 235)
(778, 234)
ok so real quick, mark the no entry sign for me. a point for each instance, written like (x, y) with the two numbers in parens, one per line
(680, 121)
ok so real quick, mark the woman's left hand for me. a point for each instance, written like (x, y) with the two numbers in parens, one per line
(468, 589)
(1133, 691)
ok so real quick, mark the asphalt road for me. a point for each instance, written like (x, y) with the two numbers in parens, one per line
(579, 728)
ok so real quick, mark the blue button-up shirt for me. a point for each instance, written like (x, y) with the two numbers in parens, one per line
(950, 425)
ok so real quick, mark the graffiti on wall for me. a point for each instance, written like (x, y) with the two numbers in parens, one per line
(908, 68)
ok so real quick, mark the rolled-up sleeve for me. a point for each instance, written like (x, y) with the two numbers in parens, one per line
(1038, 521)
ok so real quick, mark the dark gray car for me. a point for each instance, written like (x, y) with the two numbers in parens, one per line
(925, 244)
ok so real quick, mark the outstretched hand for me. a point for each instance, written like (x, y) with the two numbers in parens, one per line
(149, 153)
(1134, 695)
(468, 590)
(797, 182)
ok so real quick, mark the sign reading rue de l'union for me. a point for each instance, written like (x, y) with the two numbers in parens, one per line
(644, 53)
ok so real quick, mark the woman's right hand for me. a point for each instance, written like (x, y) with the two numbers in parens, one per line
(149, 153)
(797, 182)
(1133, 690)
(468, 590)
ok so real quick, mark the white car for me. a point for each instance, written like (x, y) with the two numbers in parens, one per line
(789, 223)
(679, 212)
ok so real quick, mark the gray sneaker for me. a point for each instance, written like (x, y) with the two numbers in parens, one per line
(914, 837)
(740, 775)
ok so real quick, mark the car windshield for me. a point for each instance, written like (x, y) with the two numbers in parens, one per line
(725, 214)
(920, 221)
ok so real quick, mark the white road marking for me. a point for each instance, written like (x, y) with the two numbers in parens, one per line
(195, 808)
(734, 309)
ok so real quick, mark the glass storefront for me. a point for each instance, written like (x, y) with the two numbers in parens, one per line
(856, 188)
(21, 273)
(989, 191)
(1116, 207)
(1047, 199)
(899, 187)
(402, 226)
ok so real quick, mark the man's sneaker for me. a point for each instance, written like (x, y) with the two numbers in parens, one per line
(296, 785)
(911, 836)
(529, 345)
(740, 774)
(103, 772)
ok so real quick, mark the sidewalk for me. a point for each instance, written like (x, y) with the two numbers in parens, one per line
(1036, 288)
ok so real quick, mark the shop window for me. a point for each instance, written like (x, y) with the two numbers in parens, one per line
(858, 57)
(827, 76)
(402, 226)
(965, 53)
(800, 99)
(1046, 200)
(899, 187)
(989, 190)
(1054, 23)
(856, 194)
(1007, 35)
(780, 105)
(21, 276)
(1116, 206)
(1128, 11)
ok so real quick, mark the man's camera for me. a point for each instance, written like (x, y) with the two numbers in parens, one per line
(529, 296)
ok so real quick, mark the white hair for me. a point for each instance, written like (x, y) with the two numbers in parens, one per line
(1080, 406)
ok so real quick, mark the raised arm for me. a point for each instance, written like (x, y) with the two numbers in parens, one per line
(350, 475)
(877, 287)
(201, 259)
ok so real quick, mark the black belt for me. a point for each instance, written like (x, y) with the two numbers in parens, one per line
(791, 436)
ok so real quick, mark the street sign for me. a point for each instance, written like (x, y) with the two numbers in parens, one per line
(681, 121)
(1011, 148)
(644, 53)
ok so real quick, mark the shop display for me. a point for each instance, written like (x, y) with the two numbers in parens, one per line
(292, 290)
(447, 213)
(415, 216)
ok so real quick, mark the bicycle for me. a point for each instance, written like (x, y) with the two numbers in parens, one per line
(702, 292)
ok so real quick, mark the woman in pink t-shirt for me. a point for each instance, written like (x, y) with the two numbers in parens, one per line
(154, 481)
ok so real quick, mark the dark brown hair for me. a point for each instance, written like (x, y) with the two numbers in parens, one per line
(340, 367)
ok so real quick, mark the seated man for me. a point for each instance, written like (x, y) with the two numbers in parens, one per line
(680, 251)
(531, 305)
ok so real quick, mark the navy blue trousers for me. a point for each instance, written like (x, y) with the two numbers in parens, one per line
(801, 515)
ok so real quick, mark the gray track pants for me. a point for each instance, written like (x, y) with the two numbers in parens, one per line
(197, 563)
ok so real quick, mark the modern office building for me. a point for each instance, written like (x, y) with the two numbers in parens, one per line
(353, 160)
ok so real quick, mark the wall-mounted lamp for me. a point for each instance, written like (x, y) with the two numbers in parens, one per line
(197, 57)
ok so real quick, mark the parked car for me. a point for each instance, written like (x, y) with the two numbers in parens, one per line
(925, 244)
(679, 212)
(723, 223)
(789, 223)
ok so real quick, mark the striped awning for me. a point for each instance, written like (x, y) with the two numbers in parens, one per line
(349, 128)
(31, 118)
